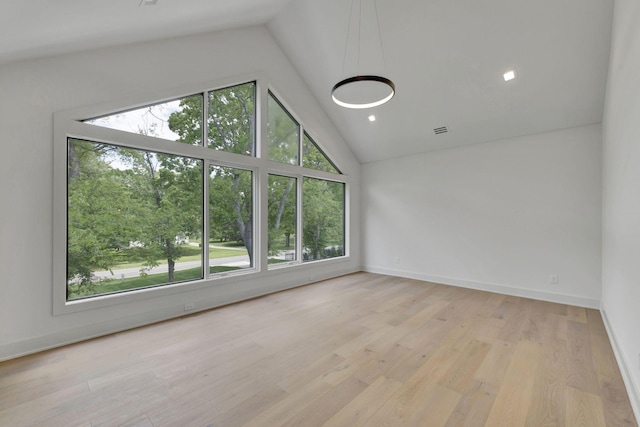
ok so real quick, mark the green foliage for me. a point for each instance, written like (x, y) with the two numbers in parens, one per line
(168, 198)
(283, 134)
(232, 119)
(231, 206)
(313, 158)
(119, 197)
(129, 206)
(282, 211)
(187, 123)
(231, 123)
(119, 285)
(101, 214)
(322, 218)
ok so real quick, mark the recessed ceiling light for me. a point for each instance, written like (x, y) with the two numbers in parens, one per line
(372, 118)
(147, 2)
(509, 75)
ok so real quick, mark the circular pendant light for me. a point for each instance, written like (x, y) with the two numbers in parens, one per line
(363, 91)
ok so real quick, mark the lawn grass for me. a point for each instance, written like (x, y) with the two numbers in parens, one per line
(149, 280)
(191, 253)
(238, 245)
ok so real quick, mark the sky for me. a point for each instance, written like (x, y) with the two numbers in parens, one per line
(152, 120)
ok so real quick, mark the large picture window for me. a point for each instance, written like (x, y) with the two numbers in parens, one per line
(232, 119)
(134, 219)
(162, 196)
(314, 158)
(161, 120)
(282, 219)
(322, 219)
(230, 219)
(284, 134)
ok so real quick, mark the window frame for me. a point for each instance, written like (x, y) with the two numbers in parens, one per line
(313, 142)
(344, 221)
(296, 261)
(68, 124)
(287, 111)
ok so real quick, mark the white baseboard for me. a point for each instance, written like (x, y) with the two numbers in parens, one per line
(633, 389)
(490, 287)
(84, 332)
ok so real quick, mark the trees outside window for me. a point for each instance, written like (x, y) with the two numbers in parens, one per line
(232, 119)
(178, 120)
(314, 158)
(230, 219)
(283, 133)
(282, 219)
(322, 219)
(132, 209)
(180, 205)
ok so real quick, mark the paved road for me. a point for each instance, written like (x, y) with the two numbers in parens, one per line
(123, 273)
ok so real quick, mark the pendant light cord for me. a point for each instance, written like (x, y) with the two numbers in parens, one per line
(359, 37)
(384, 62)
(336, 90)
(346, 44)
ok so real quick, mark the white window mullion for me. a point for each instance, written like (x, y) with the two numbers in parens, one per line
(261, 242)
(205, 219)
(74, 125)
(205, 189)
(299, 208)
(205, 122)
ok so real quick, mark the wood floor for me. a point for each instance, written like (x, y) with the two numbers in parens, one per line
(360, 350)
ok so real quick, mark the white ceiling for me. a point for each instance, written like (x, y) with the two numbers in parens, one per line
(33, 28)
(446, 57)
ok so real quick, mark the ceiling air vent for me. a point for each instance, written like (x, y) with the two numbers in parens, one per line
(441, 130)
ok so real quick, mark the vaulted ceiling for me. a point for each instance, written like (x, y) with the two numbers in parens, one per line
(446, 57)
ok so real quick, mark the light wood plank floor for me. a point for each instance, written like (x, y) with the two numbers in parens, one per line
(360, 350)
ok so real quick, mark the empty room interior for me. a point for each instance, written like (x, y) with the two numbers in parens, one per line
(320, 213)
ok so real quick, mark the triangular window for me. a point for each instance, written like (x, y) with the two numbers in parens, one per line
(283, 133)
(230, 122)
(314, 158)
(159, 120)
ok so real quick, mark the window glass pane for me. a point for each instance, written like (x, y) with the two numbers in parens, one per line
(322, 219)
(282, 219)
(230, 219)
(284, 134)
(314, 158)
(179, 120)
(232, 119)
(134, 219)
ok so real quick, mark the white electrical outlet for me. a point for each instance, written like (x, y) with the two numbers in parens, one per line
(397, 260)
(189, 306)
(554, 279)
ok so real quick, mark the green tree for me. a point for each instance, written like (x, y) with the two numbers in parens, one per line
(231, 206)
(119, 197)
(231, 128)
(148, 203)
(88, 189)
(283, 134)
(281, 210)
(323, 218)
(169, 197)
(313, 158)
(102, 215)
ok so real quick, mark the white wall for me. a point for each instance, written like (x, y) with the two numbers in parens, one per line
(621, 196)
(500, 216)
(32, 91)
